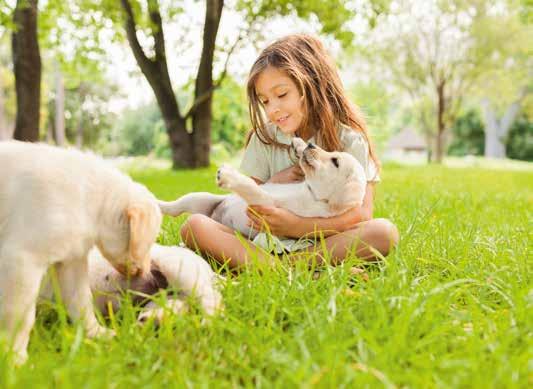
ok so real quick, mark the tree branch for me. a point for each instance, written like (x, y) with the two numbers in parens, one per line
(131, 32)
(157, 30)
(204, 96)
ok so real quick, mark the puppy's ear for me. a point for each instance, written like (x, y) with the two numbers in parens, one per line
(349, 196)
(142, 224)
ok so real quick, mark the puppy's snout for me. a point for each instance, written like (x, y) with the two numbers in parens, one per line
(311, 146)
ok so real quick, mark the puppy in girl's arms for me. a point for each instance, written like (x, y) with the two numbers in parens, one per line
(333, 183)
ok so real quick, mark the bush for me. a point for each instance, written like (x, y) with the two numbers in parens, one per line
(519, 143)
(468, 135)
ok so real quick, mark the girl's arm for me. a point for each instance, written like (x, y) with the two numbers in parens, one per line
(285, 223)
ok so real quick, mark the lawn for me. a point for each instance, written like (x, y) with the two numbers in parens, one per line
(451, 307)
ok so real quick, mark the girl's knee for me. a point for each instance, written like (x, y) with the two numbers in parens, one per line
(389, 231)
(193, 227)
(385, 235)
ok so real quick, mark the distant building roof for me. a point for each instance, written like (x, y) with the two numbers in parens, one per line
(407, 139)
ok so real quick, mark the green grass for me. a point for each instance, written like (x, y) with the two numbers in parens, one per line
(451, 307)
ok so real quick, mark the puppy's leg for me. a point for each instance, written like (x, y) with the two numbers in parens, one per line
(230, 179)
(73, 278)
(153, 311)
(190, 273)
(20, 279)
(198, 202)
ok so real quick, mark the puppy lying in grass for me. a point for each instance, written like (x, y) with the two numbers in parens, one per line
(55, 205)
(173, 268)
(334, 182)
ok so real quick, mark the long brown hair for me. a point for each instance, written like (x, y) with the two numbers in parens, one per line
(326, 106)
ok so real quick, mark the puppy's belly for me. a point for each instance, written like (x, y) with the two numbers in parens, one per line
(232, 213)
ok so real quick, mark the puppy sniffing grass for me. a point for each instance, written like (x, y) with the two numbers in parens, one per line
(55, 205)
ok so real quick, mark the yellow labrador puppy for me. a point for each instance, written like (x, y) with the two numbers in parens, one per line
(55, 205)
(334, 182)
(173, 268)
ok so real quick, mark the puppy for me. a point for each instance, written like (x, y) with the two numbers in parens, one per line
(55, 205)
(172, 267)
(334, 182)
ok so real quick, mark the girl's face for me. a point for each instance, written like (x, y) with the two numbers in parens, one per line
(280, 98)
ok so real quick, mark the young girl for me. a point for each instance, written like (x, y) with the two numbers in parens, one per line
(294, 86)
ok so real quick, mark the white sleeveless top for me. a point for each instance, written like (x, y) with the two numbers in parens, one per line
(263, 161)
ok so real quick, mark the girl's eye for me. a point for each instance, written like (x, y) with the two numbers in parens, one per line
(335, 161)
(264, 102)
(282, 95)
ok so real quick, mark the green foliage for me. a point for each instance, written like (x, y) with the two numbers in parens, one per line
(468, 134)
(142, 131)
(451, 307)
(139, 132)
(333, 15)
(519, 143)
(469, 137)
(230, 115)
(86, 107)
(376, 105)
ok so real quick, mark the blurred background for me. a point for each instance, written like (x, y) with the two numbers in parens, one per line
(439, 81)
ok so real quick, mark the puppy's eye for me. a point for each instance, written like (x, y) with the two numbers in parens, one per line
(335, 161)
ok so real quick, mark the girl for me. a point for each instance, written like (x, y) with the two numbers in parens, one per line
(295, 86)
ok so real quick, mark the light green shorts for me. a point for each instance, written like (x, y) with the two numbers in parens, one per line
(280, 245)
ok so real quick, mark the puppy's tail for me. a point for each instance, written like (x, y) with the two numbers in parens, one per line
(197, 202)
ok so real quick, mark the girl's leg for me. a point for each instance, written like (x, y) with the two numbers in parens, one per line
(380, 234)
(200, 232)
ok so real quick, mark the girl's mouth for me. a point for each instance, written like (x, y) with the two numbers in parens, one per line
(283, 119)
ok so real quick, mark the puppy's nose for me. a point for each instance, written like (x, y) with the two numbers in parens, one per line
(311, 146)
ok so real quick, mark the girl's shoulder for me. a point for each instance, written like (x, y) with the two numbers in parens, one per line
(350, 137)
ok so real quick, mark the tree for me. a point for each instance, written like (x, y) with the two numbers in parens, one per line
(189, 130)
(503, 42)
(27, 68)
(431, 51)
(520, 139)
(468, 135)
(497, 130)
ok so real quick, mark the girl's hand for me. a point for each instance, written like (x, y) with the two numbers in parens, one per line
(280, 222)
(290, 175)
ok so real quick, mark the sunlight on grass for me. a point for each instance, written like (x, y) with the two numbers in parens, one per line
(449, 308)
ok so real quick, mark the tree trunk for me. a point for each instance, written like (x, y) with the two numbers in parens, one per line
(27, 69)
(496, 131)
(181, 144)
(59, 108)
(201, 117)
(5, 131)
(440, 140)
(50, 133)
(79, 130)
(156, 72)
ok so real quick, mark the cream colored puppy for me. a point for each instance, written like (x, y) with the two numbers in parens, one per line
(55, 205)
(334, 182)
(172, 267)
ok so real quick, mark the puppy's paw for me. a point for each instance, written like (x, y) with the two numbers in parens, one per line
(157, 314)
(100, 332)
(20, 358)
(227, 177)
(298, 145)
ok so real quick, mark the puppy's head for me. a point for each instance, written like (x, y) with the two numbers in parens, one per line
(137, 227)
(335, 177)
